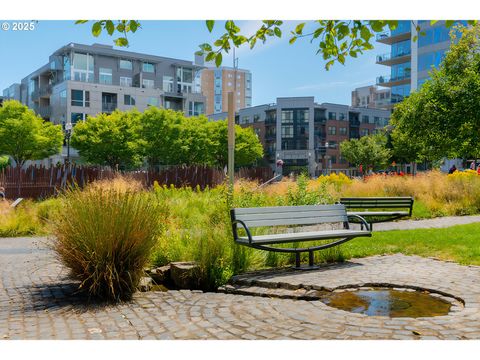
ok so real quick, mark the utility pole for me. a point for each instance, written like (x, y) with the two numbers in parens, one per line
(231, 126)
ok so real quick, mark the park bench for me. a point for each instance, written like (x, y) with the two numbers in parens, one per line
(378, 209)
(287, 216)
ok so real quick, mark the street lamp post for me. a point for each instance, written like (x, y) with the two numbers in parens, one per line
(68, 133)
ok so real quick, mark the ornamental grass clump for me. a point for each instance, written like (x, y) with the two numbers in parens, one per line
(105, 235)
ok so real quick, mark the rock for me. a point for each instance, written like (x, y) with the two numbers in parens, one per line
(185, 275)
(160, 275)
(145, 284)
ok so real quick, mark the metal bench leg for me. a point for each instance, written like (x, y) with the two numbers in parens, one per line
(297, 260)
(310, 258)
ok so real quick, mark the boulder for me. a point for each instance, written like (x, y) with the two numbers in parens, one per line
(160, 275)
(145, 284)
(185, 275)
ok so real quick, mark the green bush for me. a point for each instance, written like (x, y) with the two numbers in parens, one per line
(105, 235)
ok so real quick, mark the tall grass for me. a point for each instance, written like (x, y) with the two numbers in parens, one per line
(105, 235)
(24, 220)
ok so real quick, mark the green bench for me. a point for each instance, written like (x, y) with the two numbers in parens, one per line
(378, 209)
(248, 218)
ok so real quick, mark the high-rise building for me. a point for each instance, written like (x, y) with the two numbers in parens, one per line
(409, 60)
(218, 82)
(81, 80)
(372, 97)
(307, 135)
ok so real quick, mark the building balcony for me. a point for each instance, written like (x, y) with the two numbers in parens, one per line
(108, 107)
(392, 37)
(389, 59)
(42, 92)
(44, 111)
(389, 81)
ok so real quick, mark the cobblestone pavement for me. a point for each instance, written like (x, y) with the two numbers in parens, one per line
(38, 302)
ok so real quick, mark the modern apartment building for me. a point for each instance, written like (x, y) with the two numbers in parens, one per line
(218, 82)
(372, 97)
(410, 61)
(81, 80)
(306, 135)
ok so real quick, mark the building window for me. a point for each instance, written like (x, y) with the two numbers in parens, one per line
(376, 121)
(81, 98)
(83, 65)
(245, 119)
(332, 116)
(148, 67)
(125, 81)
(126, 64)
(332, 130)
(256, 118)
(195, 108)
(342, 131)
(75, 117)
(129, 100)
(287, 116)
(365, 132)
(365, 119)
(168, 83)
(184, 80)
(333, 159)
(105, 76)
(287, 131)
(148, 84)
(341, 116)
(152, 101)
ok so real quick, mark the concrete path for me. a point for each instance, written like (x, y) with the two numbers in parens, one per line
(37, 301)
(440, 222)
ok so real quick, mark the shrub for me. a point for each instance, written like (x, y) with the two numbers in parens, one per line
(19, 221)
(105, 235)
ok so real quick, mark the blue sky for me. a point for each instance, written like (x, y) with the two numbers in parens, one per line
(278, 68)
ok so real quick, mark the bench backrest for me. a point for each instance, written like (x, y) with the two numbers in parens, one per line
(290, 215)
(377, 202)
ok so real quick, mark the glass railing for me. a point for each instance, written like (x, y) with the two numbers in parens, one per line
(387, 78)
(389, 56)
(401, 29)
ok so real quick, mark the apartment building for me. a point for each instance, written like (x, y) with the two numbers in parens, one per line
(372, 97)
(306, 135)
(81, 80)
(410, 61)
(216, 83)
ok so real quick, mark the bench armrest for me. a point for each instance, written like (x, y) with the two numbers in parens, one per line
(247, 230)
(367, 225)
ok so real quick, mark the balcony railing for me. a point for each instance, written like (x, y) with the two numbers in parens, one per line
(389, 79)
(43, 91)
(43, 111)
(389, 56)
(108, 106)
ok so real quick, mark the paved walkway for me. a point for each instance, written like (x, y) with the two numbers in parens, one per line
(440, 222)
(38, 302)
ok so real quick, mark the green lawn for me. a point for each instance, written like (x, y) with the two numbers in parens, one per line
(459, 243)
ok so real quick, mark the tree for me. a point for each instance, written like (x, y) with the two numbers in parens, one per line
(173, 139)
(4, 161)
(110, 139)
(336, 40)
(443, 117)
(26, 136)
(248, 148)
(367, 151)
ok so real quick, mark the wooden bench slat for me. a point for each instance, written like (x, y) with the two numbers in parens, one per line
(305, 236)
(290, 215)
(379, 213)
(279, 209)
(298, 221)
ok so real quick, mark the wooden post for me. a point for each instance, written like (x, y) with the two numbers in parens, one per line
(231, 140)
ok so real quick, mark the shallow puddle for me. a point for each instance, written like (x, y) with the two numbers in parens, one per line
(388, 302)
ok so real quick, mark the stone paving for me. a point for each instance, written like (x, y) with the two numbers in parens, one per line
(440, 222)
(38, 302)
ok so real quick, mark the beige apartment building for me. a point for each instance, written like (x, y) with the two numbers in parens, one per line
(216, 83)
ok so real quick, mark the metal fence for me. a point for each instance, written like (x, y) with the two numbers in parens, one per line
(41, 182)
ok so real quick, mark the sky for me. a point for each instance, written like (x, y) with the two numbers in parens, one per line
(278, 68)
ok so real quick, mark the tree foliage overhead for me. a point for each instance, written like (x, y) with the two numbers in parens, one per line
(335, 40)
(367, 151)
(443, 117)
(26, 136)
(110, 139)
